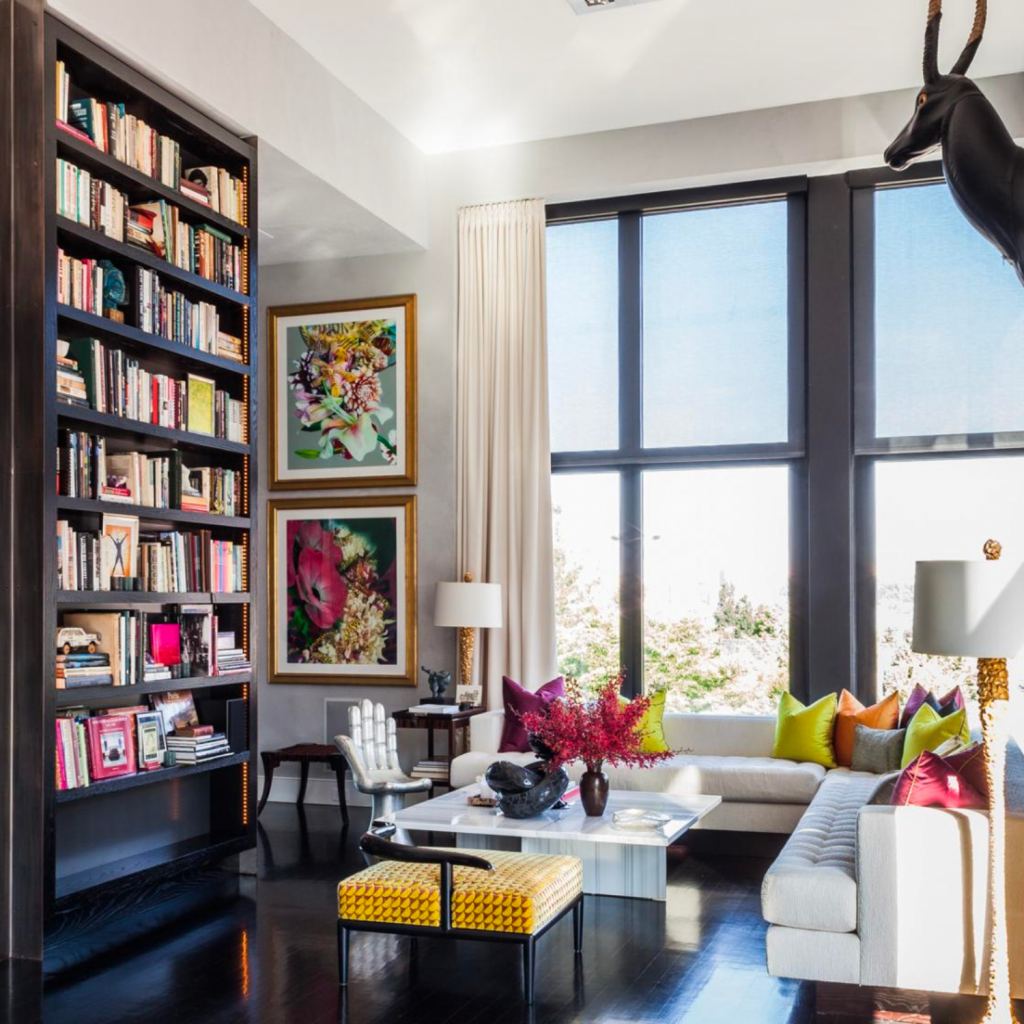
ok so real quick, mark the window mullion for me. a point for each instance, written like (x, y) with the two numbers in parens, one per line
(630, 443)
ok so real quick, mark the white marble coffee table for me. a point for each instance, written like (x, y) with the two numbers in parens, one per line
(615, 862)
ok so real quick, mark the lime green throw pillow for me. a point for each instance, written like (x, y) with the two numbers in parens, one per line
(805, 733)
(651, 724)
(928, 730)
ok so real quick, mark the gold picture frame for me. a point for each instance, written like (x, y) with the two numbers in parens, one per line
(311, 540)
(363, 433)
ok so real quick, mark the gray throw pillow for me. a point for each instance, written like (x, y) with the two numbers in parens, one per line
(877, 750)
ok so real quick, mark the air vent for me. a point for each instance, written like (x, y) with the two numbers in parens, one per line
(590, 6)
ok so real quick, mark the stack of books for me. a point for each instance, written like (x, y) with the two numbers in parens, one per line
(436, 770)
(90, 201)
(230, 659)
(80, 283)
(171, 315)
(70, 383)
(229, 347)
(74, 670)
(197, 749)
(72, 754)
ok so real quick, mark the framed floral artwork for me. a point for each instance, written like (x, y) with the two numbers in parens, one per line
(343, 590)
(343, 394)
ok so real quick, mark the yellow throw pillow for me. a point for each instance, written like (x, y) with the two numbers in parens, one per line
(928, 730)
(805, 733)
(651, 725)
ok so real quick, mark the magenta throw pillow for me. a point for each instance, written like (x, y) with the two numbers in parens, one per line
(929, 781)
(953, 701)
(518, 701)
(969, 763)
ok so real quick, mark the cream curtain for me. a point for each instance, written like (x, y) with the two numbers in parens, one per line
(503, 447)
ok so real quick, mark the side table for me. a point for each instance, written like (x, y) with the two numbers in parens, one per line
(305, 754)
(455, 725)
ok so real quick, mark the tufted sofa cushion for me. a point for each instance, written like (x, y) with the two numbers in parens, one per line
(813, 882)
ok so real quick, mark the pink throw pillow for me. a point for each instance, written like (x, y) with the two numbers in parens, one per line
(930, 781)
(518, 701)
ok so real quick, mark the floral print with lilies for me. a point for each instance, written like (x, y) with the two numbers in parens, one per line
(341, 384)
(341, 592)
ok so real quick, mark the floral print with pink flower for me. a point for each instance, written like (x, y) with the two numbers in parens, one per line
(341, 600)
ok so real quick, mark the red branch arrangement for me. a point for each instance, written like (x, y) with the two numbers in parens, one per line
(594, 731)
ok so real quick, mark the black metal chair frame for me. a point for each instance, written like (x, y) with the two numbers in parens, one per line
(374, 844)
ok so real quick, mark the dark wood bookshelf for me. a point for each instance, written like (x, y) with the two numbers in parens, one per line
(162, 862)
(158, 775)
(154, 515)
(96, 864)
(130, 598)
(142, 340)
(120, 696)
(139, 186)
(121, 426)
(129, 254)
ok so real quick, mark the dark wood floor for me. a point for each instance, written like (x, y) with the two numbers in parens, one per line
(699, 957)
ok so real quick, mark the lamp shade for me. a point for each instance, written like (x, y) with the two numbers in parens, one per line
(476, 605)
(969, 609)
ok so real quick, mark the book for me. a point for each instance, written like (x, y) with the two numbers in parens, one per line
(165, 642)
(434, 709)
(111, 746)
(178, 709)
(108, 628)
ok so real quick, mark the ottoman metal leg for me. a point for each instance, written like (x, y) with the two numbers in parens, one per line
(343, 941)
(529, 969)
(577, 927)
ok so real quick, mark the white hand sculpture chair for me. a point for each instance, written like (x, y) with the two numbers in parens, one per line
(372, 754)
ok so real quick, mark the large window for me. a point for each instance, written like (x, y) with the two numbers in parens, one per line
(940, 415)
(676, 398)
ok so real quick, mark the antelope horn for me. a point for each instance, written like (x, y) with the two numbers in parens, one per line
(963, 65)
(931, 42)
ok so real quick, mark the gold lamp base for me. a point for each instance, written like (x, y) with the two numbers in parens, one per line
(994, 698)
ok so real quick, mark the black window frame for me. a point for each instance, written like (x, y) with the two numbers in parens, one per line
(869, 449)
(631, 459)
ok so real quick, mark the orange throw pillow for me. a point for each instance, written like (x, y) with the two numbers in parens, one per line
(883, 715)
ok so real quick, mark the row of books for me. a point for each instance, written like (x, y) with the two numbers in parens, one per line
(132, 647)
(116, 383)
(90, 201)
(85, 469)
(96, 746)
(80, 282)
(215, 188)
(204, 250)
(111, 129)
(118, 557)
(168, 313)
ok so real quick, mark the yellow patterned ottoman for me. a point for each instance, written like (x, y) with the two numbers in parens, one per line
(517, 901)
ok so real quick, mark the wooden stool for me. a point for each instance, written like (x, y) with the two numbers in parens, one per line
(305, 754)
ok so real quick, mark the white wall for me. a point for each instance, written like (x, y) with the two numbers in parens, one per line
(817, 138)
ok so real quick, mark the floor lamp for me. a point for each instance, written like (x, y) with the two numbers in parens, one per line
(976, 609)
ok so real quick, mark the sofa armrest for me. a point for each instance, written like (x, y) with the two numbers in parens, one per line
(922, 897)
(485, 732)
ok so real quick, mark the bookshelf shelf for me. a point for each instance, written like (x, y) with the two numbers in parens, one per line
(66, 796)
(132, 253)
(143, 341)
(153, 515)
(136, 183)
(164, 861)
(131, 598)
(110, 860)
(124, 427)
(121, 696)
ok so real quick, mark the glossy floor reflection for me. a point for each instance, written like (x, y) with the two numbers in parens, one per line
(699, 957)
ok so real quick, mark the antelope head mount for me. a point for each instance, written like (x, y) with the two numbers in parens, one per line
(979, 157)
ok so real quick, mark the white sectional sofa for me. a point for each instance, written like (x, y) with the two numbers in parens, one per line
(861, 894)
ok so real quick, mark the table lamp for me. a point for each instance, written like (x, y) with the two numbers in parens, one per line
(467, 606)
(976, 610)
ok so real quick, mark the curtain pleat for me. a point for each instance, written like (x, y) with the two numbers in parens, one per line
(503, 444)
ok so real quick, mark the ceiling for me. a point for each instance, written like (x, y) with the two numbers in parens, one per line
(460, 74)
